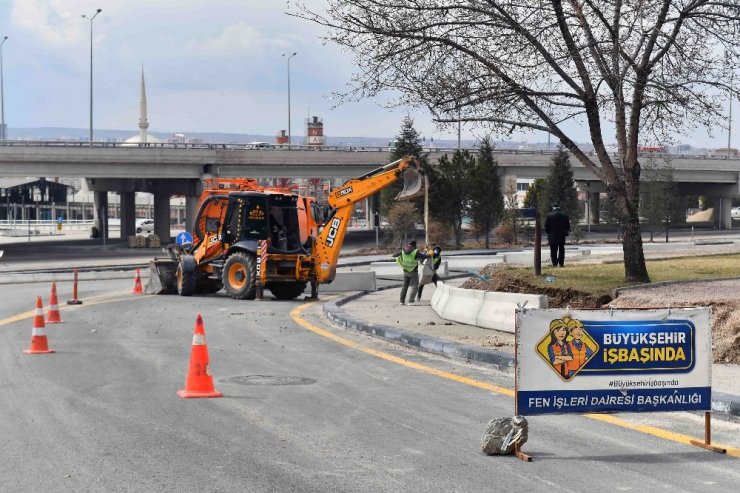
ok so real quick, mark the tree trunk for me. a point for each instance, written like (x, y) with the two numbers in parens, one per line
(634, 258)
(488, 235)
(457, 230)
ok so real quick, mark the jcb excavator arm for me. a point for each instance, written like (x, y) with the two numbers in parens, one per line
(331, 238)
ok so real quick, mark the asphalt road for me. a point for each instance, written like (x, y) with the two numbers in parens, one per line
(303, 410)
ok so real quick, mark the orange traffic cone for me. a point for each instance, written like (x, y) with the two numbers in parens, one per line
(199, 382)
(137, 284)
(39, 344)
(53, 316)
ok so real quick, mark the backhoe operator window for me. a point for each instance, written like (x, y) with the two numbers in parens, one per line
(255, 219)
(284, 225)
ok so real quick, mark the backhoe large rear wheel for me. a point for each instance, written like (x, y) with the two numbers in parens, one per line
(286, 290)
(186, 276)
(239, 276)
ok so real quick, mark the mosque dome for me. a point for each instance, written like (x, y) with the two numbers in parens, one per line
(136, 139)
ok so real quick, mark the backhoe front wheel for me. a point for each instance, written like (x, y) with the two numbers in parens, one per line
(239, 276)
(186, 275)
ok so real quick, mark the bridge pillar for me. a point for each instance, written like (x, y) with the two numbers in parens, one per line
(162, 216)
(191, 207)
(722, 213)
(128, 214)
(594, 202)
(100, 213)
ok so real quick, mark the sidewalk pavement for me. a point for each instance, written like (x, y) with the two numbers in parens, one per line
(380, 314)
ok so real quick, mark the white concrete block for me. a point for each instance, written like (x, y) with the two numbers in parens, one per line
(498, 309)
(387, 269)
(463, 305)
(441, 293)
(351, 281)
(465, 263)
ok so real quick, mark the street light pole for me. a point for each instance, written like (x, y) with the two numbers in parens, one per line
(91, 69)
(729, 124)
(289, 134)
(2, 95)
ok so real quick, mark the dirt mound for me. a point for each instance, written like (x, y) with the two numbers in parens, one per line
(492, 278)
(719, 295)
(725, 312)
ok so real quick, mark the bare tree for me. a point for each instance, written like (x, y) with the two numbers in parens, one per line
(637, 70)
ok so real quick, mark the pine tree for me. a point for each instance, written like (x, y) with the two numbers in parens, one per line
(535, 194)
(560, 189)
(659, 204)
(449, 190)
(408, 143)
(486, 200)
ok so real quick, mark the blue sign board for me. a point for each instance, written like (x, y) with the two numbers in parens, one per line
(184, 238)
(613, 361)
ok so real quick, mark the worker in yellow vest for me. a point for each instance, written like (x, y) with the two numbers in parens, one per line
(408, 258)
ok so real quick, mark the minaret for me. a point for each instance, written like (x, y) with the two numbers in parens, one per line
(143, 122)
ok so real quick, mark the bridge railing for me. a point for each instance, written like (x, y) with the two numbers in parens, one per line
(325, 148)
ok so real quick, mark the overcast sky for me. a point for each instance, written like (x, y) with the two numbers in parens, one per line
(210, 66)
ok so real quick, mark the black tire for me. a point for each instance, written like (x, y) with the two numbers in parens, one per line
(239, 276)
(286, 290)
(209, 286)
(186, 276)
(138, 230)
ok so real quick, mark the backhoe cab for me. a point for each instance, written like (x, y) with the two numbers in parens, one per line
(234, 215)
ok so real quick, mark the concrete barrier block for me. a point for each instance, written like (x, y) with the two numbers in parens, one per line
(441, 293)
(351, 281)
(498, 309)
(471, 264)
(387, 269)
(463, 305)
(443, 271)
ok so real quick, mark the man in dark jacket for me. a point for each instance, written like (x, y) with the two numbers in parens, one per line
(557, 226)
(436, 262)
(408, 259)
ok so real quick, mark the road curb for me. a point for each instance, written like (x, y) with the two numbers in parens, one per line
(726, 404)
(334, 312)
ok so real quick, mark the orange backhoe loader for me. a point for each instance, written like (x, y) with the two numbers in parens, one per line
(234, 215)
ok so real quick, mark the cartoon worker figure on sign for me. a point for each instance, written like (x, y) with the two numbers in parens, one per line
(567, 347)
(559, 350)
(579, 349)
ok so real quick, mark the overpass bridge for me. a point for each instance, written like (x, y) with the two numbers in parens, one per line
(177, 169)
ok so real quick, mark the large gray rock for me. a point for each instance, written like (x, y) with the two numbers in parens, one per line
(502, 434)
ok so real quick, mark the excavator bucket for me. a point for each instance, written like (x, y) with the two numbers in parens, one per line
(162, 278)
(412, 184)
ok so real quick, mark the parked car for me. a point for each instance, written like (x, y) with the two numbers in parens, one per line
(144, 225)
(735, 212)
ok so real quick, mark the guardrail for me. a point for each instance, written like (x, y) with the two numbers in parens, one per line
(324, 148)
(47, 226)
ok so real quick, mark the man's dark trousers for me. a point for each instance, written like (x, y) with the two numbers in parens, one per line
(557, 253)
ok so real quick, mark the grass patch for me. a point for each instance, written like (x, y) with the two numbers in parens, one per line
(601, 279)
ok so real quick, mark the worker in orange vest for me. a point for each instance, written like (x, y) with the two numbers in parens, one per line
(559, 349)
(578, 347)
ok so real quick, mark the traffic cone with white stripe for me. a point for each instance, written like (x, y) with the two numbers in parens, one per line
(199, 382)
(39, 344)
(53, 316)
(137, 284)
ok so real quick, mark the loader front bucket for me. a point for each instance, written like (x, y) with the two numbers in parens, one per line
(162, 276)
(412, 184)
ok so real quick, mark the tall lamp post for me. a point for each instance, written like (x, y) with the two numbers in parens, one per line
(2, 96)
(91, 68)
(289, 57)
